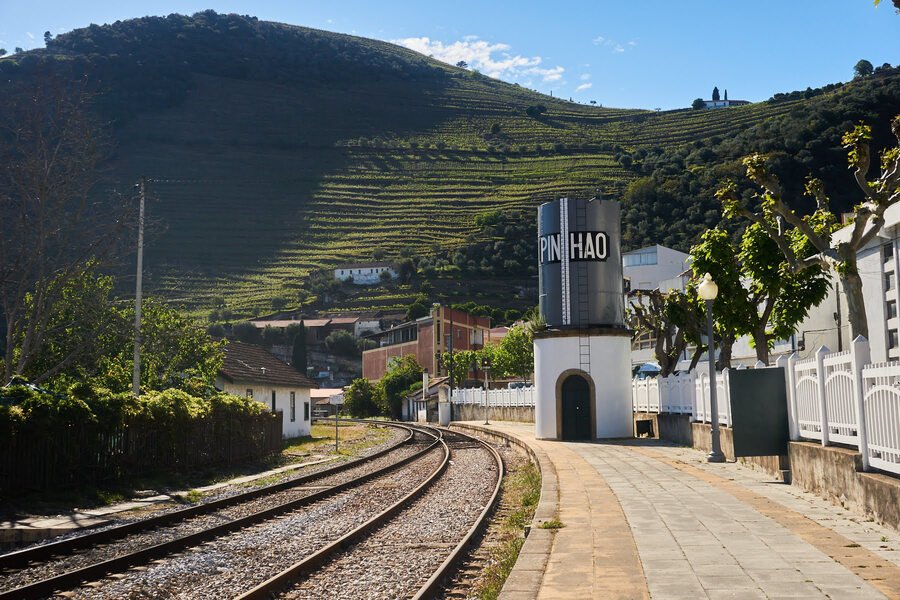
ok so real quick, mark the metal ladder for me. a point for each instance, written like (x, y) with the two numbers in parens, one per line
(582, 301)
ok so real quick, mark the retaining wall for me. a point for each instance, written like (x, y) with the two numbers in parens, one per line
(475, 412)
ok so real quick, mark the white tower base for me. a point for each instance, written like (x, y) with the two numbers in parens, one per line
(583, 381)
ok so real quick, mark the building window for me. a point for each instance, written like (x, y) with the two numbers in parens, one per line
(889, 281)
(293, 407)
(887, 252)
(249, 392)
(273, 400)
(892, 339)
(891, 309)
(306, 411)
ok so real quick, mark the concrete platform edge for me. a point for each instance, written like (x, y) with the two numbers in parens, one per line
(524, 580)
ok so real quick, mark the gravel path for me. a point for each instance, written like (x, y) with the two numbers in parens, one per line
(236, 563)
(400, 557)
(145, 539)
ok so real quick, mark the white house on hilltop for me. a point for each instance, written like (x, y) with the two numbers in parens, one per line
(364, 273)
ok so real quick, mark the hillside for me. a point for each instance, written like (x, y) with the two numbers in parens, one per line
(276, 150)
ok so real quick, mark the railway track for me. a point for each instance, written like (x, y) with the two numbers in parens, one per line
(389, 530)
(42, 570)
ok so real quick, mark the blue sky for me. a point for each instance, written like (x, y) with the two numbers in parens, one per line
(643, 54)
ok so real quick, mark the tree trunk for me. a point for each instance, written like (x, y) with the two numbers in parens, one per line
(725, 345)
(761, 342)
(851, 283)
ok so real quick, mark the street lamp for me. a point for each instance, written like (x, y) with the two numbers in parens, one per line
(486, 366)
(708, 290)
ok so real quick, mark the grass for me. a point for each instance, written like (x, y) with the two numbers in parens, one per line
(552, 524)
(522, 490)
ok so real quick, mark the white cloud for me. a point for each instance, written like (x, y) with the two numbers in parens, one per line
(494, 60)
(585, 76)
(584, 86)
(611, 44)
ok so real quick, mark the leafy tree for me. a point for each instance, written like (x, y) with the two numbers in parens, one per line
(461, 362)
(759, 295)
(514, 357)
(48, 37)
(417, 310)
(698, 103)
(79, 325)
(673, 318)
(462, 64)
(360, 399)
(279, 303)
(402, 374)
(50, 230)
(341, 343)
(815, 248)
(863, 68)
(247, 332)
(715, 94)
(298, 352)
(176, 352)
(2, 51)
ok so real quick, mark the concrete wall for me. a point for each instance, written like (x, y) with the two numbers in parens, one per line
(835, 473)
(474, 412)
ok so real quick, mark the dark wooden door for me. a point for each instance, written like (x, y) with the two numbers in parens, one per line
(576, 409)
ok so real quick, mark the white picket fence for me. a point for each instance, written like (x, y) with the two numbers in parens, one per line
(833, 398)
(839, 398)
(683, 394)
(503, 397)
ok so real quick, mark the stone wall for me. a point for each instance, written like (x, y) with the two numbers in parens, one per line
(474, 412)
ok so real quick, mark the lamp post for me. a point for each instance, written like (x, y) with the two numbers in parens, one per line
(708, 290)
(486, 366)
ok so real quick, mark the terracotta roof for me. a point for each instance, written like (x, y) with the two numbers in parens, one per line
(276, 323)
(246, 362)
(344, 320)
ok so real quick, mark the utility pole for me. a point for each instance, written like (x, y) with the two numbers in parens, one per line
(136, 377)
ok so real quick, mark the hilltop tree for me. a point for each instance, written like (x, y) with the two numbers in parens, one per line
(863, 69)
(462, 64)
(698, 103)
(715, 94)
(814, 246)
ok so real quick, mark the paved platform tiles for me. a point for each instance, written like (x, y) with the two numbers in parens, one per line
(648, 520)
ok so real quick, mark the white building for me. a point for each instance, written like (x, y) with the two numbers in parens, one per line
(829, 325)
(364, 273)
(250, 371)
(655, 267)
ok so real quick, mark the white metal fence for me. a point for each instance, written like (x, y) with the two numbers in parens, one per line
(833, 398)
(503, 397)
(840, 398)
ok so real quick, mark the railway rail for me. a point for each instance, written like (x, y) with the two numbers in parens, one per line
(423, 508)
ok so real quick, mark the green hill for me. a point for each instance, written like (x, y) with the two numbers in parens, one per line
(274, 151)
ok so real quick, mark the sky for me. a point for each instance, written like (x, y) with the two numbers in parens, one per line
(624, 53)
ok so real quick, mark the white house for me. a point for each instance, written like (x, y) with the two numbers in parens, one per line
(829, 325)
(364, 273)
(654, 267)
(251, 371)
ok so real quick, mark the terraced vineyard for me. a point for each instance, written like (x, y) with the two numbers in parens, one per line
(256, 180)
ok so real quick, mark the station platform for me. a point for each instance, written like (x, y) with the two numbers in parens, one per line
(648, 519)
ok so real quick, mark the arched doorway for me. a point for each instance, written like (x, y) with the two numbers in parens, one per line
(575, 413)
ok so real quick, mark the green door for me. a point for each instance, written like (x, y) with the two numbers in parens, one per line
(576, 408)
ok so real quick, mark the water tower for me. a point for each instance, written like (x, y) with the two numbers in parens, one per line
(582, 360)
